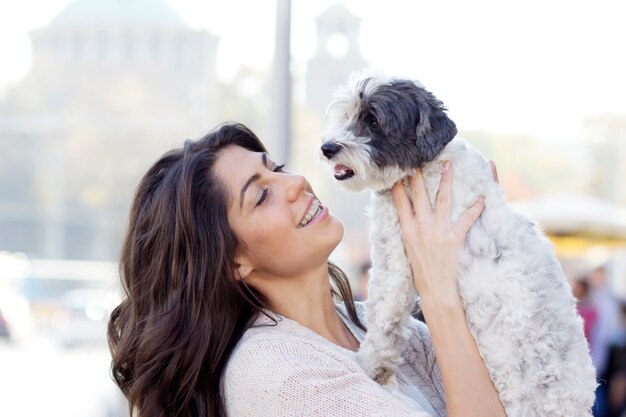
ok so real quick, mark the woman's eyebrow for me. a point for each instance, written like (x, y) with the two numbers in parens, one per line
(250, 180)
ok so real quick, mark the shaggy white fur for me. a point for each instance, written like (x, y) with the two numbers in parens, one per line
(517, 302)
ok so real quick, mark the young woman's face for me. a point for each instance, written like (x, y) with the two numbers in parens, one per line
(275, 216)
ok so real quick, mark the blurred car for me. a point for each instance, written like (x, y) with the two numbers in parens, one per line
(82, 319)
(15, 323)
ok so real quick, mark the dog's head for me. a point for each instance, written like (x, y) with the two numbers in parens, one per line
(381, 129)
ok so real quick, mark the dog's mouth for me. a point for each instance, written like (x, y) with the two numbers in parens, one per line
(343, 172)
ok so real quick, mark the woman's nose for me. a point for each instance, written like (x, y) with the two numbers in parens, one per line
(297, 183)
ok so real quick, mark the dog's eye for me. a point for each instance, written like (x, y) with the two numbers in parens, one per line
(373, 123)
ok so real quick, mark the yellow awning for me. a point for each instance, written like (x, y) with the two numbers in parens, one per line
(577, 245)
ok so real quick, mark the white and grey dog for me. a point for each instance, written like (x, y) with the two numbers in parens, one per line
(518, 305)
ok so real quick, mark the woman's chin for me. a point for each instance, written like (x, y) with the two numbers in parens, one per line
(335, 234)
(339, 228)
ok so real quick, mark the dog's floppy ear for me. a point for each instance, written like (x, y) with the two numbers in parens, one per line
(434, 128)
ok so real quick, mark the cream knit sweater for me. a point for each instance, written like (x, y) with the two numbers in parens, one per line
(287, 370)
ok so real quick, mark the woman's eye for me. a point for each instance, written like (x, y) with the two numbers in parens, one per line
(263, 197)
(264, 193)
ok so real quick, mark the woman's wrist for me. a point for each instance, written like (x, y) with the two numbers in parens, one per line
(436, 280)
(445, 304)
(469, 390)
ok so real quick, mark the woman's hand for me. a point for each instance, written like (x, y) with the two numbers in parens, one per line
(431, 240)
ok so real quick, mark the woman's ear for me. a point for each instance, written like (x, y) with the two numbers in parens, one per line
(243, 266)
(243, 269)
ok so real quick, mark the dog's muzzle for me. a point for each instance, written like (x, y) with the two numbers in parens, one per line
(342, 172)
(330, 149)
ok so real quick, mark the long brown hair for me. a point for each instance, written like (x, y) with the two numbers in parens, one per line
(183, 314)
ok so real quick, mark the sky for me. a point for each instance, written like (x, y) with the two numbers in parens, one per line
(534, 67)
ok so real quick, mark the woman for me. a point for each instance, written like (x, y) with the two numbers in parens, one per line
(229, 307)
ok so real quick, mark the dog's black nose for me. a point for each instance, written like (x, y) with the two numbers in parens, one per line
(330, 149)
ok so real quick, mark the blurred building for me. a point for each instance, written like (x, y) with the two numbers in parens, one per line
(556, 167)
(113, 84)
(606, 138)
(337, 55)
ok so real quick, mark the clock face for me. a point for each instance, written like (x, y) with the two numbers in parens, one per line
(338, 45)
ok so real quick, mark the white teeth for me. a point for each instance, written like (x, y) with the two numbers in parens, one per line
(313, 211)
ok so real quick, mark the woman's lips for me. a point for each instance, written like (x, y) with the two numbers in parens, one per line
(323, 214)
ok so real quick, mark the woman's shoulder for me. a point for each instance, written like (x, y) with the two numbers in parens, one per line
(270, 360)
(272, 340)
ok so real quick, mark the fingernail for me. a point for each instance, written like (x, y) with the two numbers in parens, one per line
(446, 166)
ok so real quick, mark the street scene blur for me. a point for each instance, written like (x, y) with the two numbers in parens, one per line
(93, 91)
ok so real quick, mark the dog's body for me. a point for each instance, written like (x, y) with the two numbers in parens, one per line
(517, 302)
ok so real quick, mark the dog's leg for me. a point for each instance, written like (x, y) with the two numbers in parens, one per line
(391, 295)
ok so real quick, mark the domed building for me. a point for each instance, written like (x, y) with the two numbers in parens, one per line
(113, 84)
(337, 55)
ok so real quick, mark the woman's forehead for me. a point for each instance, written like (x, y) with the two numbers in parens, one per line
(234, 166)
(236, 154)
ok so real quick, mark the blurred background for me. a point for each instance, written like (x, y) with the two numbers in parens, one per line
(93, 91)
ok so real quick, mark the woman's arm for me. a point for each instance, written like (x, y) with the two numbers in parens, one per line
(431, 242)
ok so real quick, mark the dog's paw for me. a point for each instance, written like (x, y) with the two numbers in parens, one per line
(384, 376)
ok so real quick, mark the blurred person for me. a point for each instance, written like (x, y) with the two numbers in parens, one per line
(581, 290)
(607, 324)
(229, 308)
(615, 373)
(585, 306)
(607, 307)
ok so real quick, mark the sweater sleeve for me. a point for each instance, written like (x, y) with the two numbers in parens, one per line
(421, 365)
(291, 377)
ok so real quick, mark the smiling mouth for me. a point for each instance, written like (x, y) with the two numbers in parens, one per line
(343, 172)
(314, 210)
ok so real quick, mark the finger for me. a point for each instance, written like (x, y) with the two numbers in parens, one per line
(444, 195)
(401, 200)
(419, 195)
(469, 217)
(494, 171)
